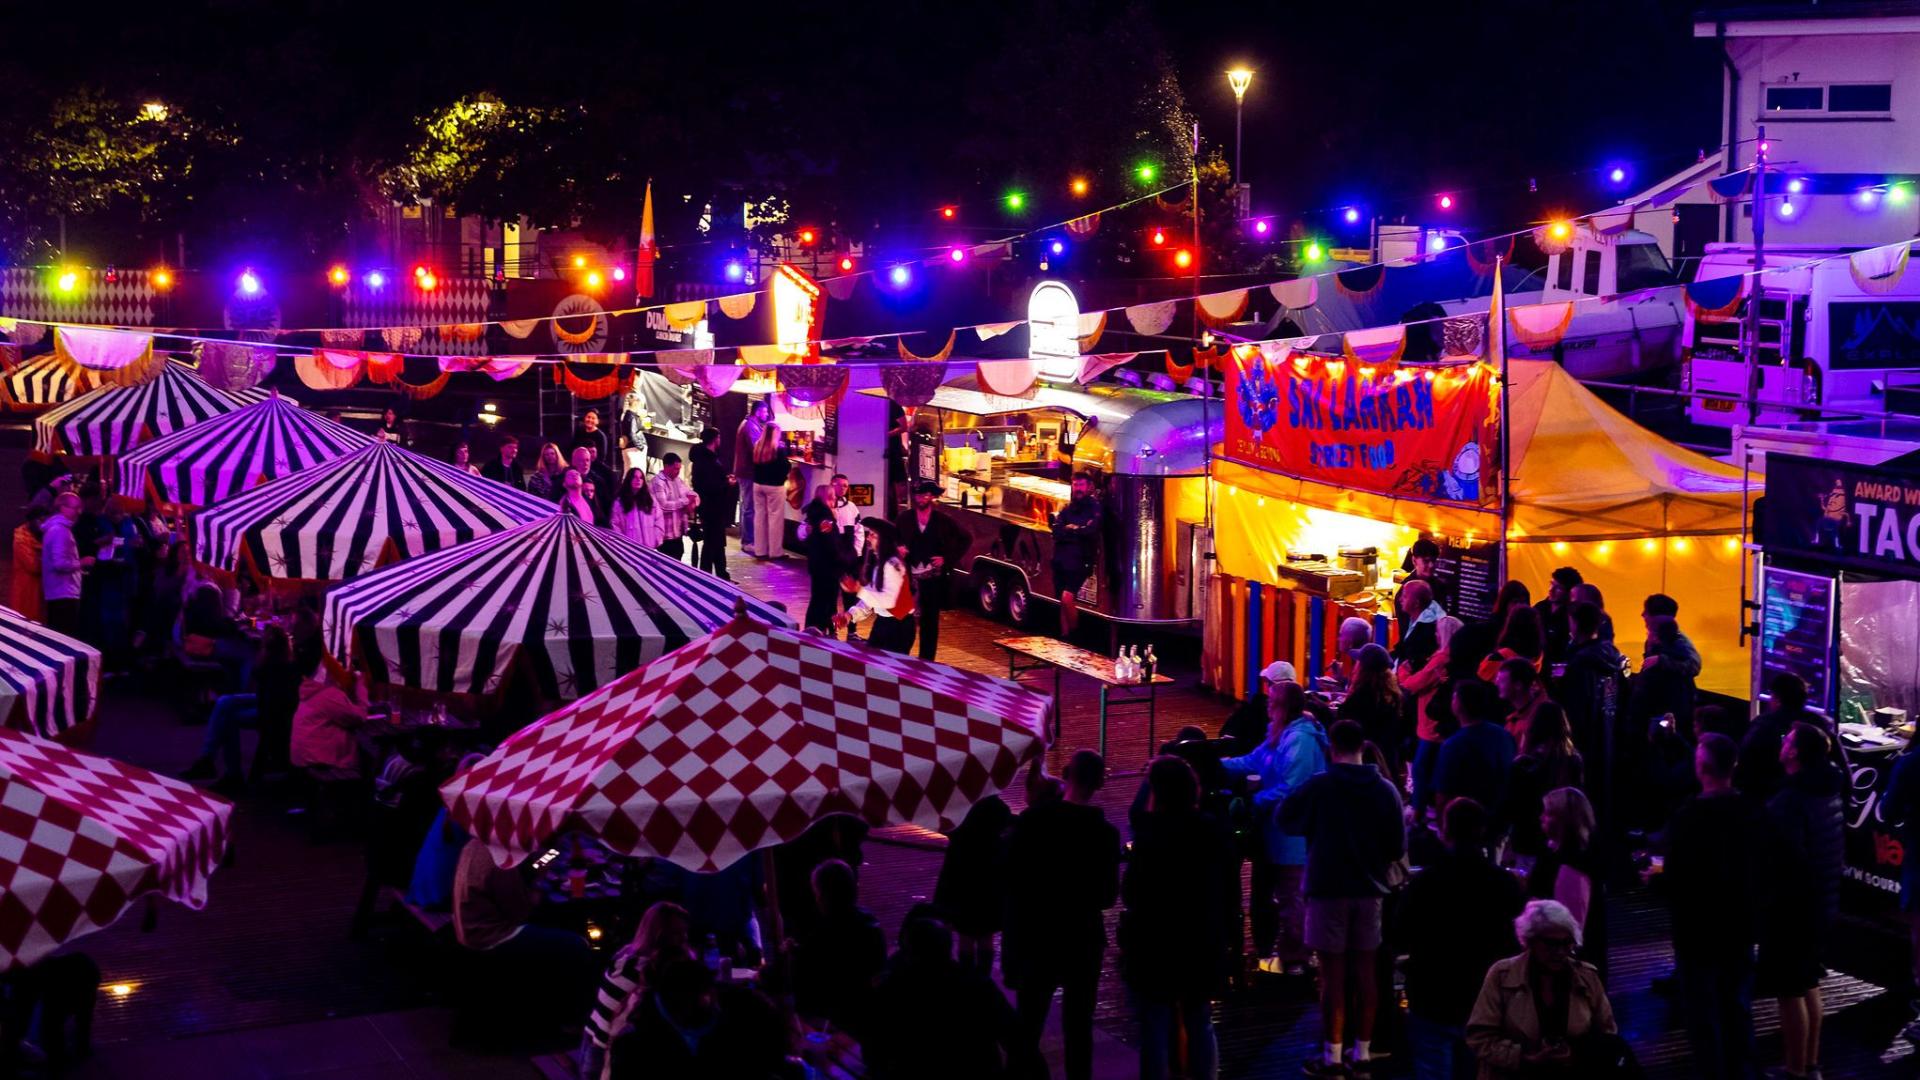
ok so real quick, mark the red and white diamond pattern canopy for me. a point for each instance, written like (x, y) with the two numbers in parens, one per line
(82, 837)
(744, 738)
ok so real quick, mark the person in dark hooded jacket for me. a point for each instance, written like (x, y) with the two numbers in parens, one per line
(1592, 691)
(1809, 817)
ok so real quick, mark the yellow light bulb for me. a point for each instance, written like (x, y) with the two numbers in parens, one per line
(1559, 547)
(1650, 546)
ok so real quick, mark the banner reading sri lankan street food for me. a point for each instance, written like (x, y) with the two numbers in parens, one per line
(1423, 431)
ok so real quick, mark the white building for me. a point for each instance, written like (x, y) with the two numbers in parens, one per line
(1837, 86)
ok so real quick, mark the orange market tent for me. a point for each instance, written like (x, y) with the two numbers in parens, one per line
(1591, 489)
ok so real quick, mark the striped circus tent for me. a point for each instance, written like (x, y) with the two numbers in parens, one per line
(209, 462)
(344, 517)
(574, 604)
(113, 419)
(43, 382)
(49, 682)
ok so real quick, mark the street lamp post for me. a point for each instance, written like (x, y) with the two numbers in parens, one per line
(1238, 78)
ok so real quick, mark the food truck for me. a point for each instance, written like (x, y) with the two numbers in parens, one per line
(1004, 464)
(1837, 586)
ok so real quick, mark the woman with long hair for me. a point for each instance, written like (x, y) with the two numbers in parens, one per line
(463, 458)
(391, 428)
(1567, 870)
(883, 589)
(547, 479)
(1430, 724)
(770, 471)
(634, 515)
(1374, 703)
(1521, 638)
(1547, 762)
(663, 935)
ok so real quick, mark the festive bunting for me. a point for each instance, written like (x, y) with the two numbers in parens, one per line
(401, 338)
(343, 338)
(1734, 186)
(945, 350)
(685, 316)
(1098, 364)
(611, 383)
(841, 288)
(1463, 337)
(679, 365)
(813, 384)
(463, 332)
(234, 367)
(1879, 270)
(520, 329)
(767, 356)
(1484, 255)
(423, 391)
(502, 368)
(102, 350)
(717, 379)
(1540, 326)
(989, 331)
(1361, 282)
(1179, 372)
(1008, 378)
(1296, 294)
(1092, 325)
(26, 334)
(383, 368)
(1715, 298)
(1375, 344)
(737, 306)
(326, 374)
(1152, 318)
(1084, 226)
(1219, 308)
(569, 333)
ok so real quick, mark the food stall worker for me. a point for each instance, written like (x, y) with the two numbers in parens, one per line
(934, 544)
(1421, 558)
(1076, 544)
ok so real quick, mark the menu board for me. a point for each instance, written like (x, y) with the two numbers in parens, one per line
(1467, 579)
(1796, 631)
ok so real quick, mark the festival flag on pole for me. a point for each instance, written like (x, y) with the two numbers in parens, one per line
(643, 262)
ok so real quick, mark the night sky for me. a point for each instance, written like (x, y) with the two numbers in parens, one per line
(869, 116)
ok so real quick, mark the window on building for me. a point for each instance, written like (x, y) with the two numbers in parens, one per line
(1564, 279)
(1796, 98)
(1590, 274)
(1860, 98)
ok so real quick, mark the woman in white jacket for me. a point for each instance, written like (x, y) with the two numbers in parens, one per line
(883, 588)
(634, 514)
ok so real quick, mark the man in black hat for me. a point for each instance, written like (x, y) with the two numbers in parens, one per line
(1076, 550)
(934, 547)
(1421, 560)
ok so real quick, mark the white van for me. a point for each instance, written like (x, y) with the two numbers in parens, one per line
(1825, 343)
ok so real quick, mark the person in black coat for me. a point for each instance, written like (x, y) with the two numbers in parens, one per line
(826, 561)
(838, 957)
(1809, 820)
(1181, 927)
(1553, 614)
(971, 890)
(1454, 922)
(1760, 772)
(1063, 873)
(717, 492)
(1419, 638)
(671, 1037)
(1593, 692)
(1076, 550)
(505, 467)
(935, 546)
(933, 1019)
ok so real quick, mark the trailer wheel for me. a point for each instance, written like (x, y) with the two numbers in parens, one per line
(991, 592)
(1019, 604)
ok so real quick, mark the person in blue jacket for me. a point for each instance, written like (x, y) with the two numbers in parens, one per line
(1295, 751)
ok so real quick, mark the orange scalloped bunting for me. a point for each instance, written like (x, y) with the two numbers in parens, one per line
(1219, 308)
(1375, 344)
(327, 374)
(945, 350)
(1540, 326)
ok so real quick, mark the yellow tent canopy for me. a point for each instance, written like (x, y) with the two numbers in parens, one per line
(1633, 512)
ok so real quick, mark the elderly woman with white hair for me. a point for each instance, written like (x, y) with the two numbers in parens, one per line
(1543, 1012)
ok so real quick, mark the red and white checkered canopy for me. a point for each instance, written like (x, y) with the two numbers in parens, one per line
(82, 837)
(744, 738)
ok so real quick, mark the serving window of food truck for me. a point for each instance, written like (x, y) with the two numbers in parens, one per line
(1838, 585)
(1005, 466)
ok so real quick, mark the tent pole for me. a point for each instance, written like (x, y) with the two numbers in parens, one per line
(1497, 337)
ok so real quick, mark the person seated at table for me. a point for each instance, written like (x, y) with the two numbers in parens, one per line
(433, 868)
(933, 1019)
(208, 632)
(268, 706)
(836, 960)
(725, 906)
(324, 723)
(673, 1027)
(660, 939)
(554, 969)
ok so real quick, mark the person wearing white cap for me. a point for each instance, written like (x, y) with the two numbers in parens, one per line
(1247, 726)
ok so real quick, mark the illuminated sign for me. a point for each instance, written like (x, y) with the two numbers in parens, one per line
(1053, 330)
(796, 311)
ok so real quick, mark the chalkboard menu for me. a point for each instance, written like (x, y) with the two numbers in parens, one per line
(1468, 579)
(1796, 631)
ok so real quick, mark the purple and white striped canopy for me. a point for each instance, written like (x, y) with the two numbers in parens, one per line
(43, 382)
(50, 679)
(211, 461)
(113, 419)
(577, 604)
(344, 517)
